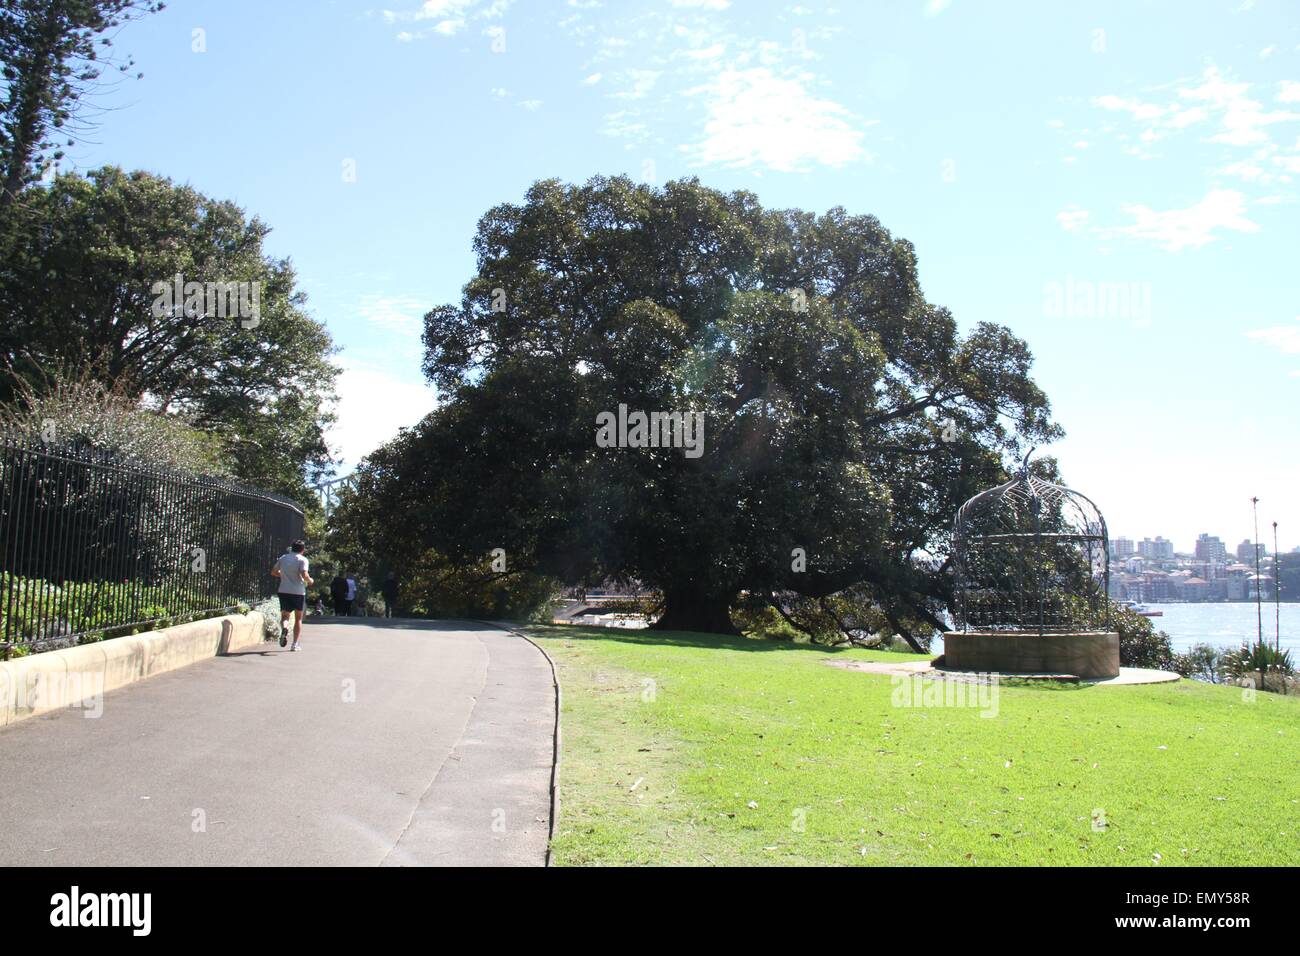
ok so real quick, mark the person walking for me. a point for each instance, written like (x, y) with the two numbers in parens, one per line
(339, 595)
(292, 570)
(389, 590)
(362, 595)
(351, 597)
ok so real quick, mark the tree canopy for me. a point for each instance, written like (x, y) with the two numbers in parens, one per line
(51, 54)
(81, 291)
(845, 418)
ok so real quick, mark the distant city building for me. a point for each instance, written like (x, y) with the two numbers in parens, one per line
(1237, 575)
(1121, 548)
(1246, 552)
(1210, 548)
(1157, 550)
(1263, 583)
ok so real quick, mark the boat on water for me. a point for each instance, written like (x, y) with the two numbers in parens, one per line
(1142, 609)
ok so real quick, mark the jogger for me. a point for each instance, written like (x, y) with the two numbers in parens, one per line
(291, 568)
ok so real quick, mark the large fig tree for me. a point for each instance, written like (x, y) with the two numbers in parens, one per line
(844, 417)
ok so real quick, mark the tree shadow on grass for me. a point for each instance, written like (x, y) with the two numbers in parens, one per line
(641, 636)
(645, 636)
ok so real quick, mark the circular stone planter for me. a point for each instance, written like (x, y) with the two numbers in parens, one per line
(1091, 655)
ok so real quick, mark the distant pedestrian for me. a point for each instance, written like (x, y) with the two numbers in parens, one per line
(362, 595)
(292, 570)
(339, 595)
(389, 591)
(351, 596)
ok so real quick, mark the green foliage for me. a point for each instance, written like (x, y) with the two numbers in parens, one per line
(1204, 662)
(93, 610)
(81, 410)
(758, 619)
(1140, 644)
(827, 383)
(51, 52)
(1258, 658)
(112, 241)
(434, 587)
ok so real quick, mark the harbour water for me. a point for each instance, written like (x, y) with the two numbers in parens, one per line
(1226, 625)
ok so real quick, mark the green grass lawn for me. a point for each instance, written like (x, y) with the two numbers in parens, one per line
(686, 748)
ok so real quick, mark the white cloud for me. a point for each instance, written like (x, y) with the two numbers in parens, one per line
(1195, 226)
(759, 119)
(706, 53)
(638, 83)
(592, 80)
(1072, 218)
(701, 4)
(449, 16)
(1244, 169)
(372, 405)
(622, 125)
(1238, 133)
(1284, 338)
(935, 7)
(401, 314)
(1240, 120)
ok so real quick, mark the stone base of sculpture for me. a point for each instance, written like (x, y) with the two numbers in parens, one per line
(1090, 655)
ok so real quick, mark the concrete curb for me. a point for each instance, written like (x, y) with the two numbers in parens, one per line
(77, 676)
(555, 737)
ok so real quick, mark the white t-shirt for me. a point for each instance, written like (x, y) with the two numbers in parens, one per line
(292, 568)
(352, 590)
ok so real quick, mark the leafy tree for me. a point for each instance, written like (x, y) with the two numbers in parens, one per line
(843, 414)
(364, 538)
(84, 288)
(51, 54)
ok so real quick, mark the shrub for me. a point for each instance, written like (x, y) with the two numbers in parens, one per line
(1140, 644)
(1203, 662)
(78, 409)
(270, 611)
(1261, 665)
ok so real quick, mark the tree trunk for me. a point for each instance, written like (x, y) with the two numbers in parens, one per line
(690, 609)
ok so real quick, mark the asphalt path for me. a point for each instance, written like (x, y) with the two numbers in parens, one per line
(381, 743)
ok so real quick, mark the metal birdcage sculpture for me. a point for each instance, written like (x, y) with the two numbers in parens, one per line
(1033, 557)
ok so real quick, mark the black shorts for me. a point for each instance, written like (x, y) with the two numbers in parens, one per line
(292, 602)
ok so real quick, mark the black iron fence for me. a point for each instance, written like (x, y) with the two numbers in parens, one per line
(91, 546)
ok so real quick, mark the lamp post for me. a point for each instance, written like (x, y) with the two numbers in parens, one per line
(1277, 593)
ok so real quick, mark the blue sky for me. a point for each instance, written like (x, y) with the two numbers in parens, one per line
(1116, 182)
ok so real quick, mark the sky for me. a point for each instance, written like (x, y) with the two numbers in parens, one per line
(1115, 182)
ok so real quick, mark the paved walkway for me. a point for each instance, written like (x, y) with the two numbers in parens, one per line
(381, 743)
